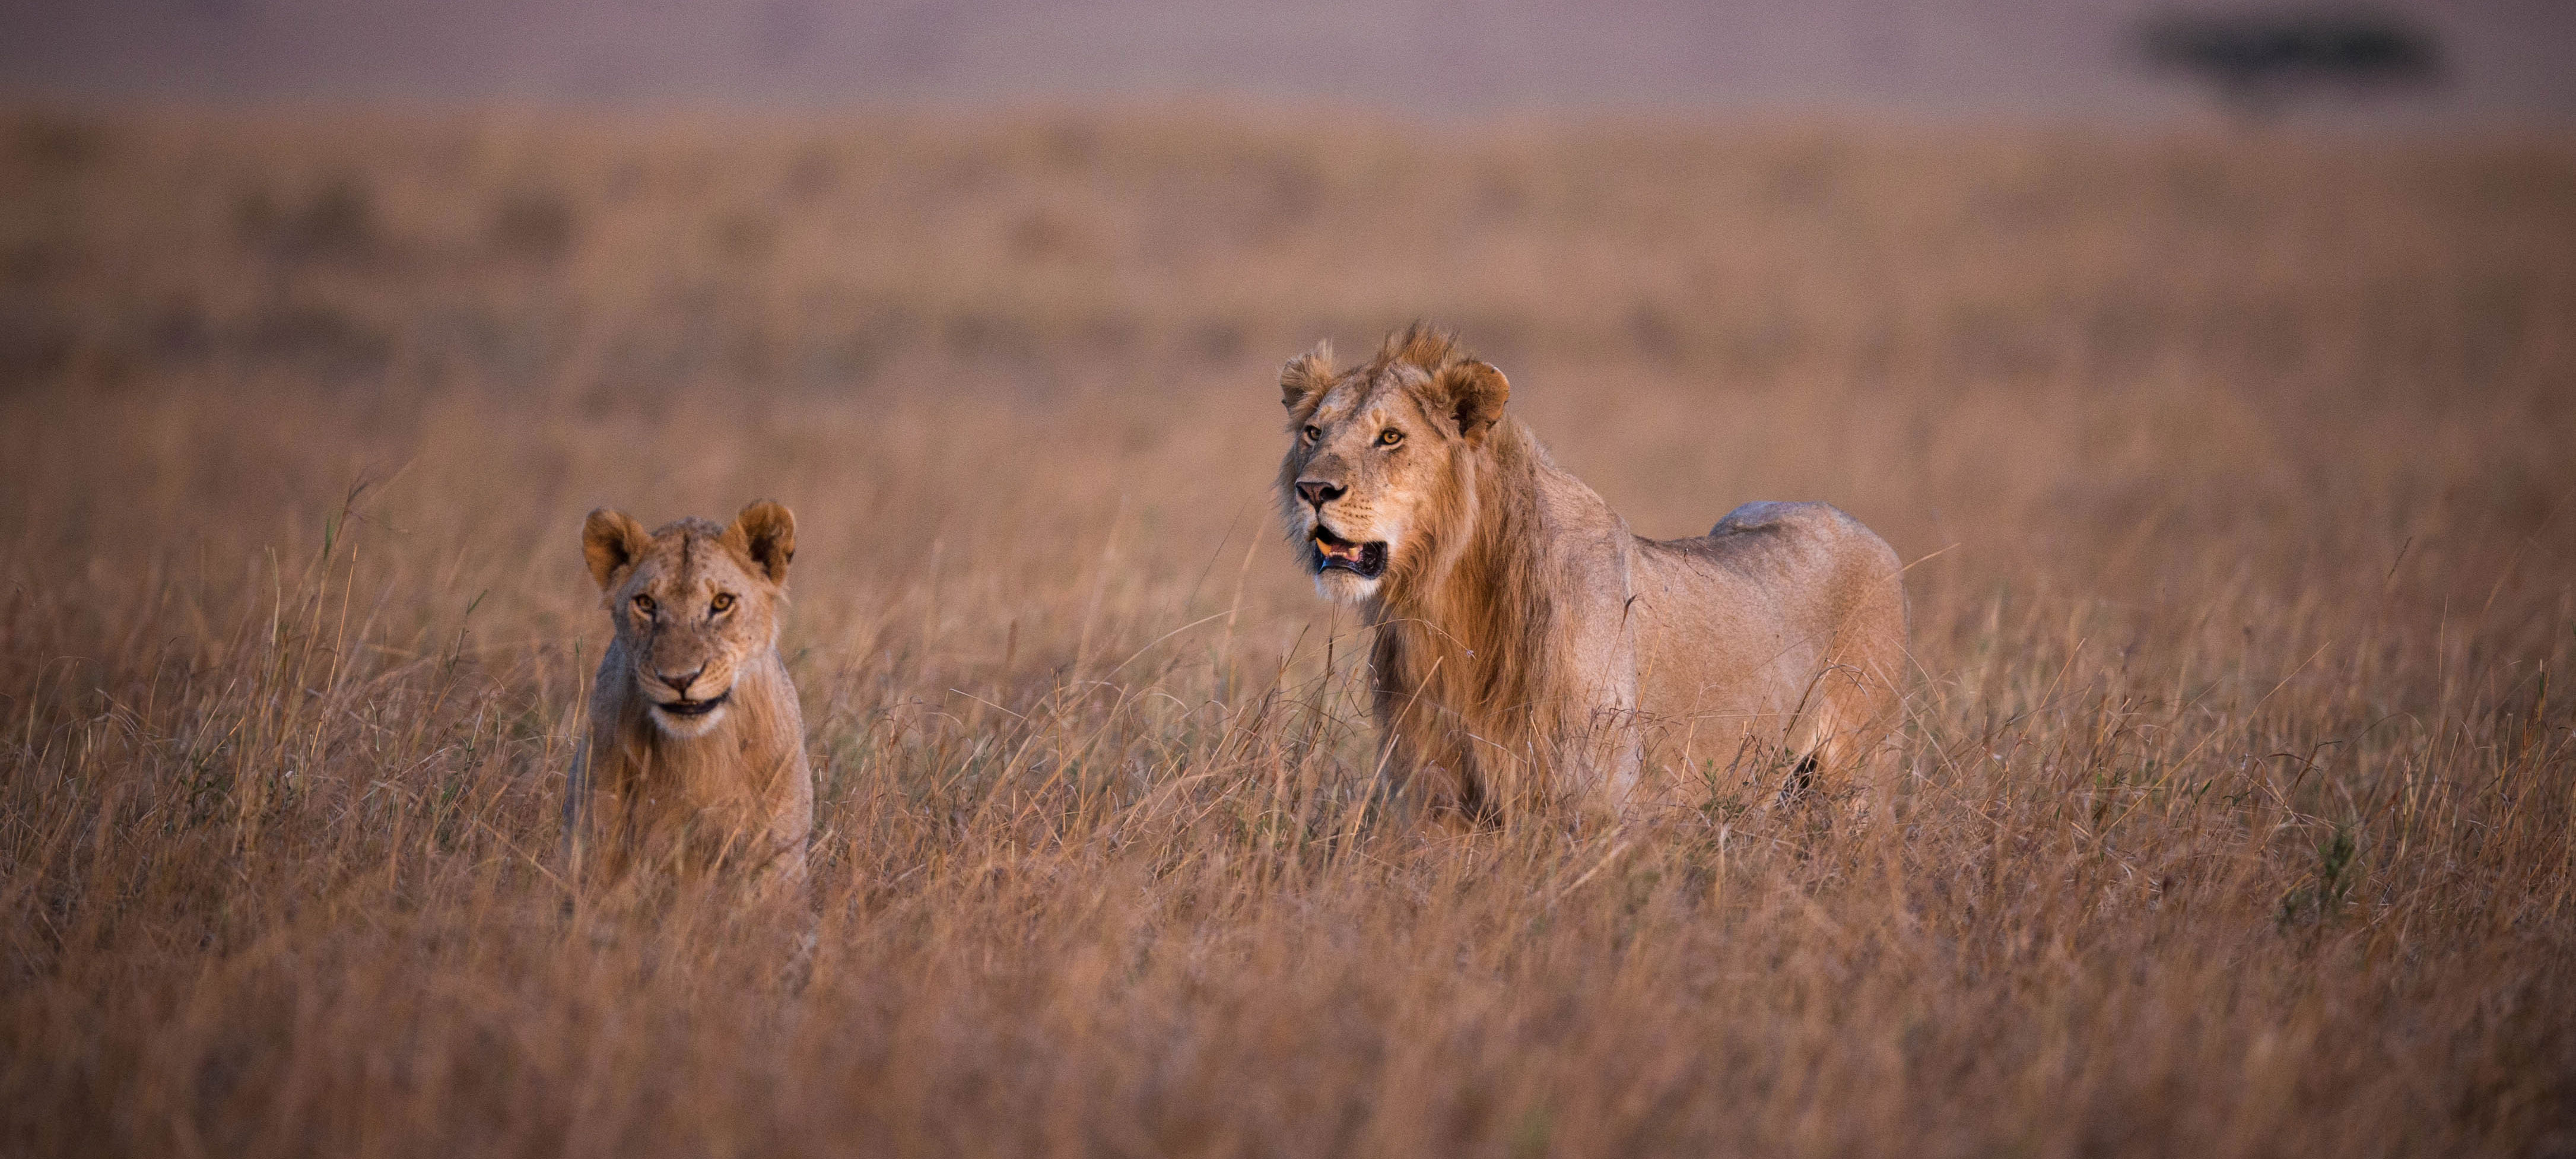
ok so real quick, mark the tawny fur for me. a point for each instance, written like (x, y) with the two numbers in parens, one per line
(729, 788)
(1530, 649)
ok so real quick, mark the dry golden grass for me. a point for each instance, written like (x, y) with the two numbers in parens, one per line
(2238, 817)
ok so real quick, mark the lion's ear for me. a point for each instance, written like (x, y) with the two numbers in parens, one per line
(611, 541)
(766, 532)
(1306, 376)
(1476, 393)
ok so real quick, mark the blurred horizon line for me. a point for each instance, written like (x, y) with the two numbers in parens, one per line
(1941, 62)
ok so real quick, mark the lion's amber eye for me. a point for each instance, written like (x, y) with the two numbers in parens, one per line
(1314, 433)
(1389, 437)
(643, 605)
(722, 603)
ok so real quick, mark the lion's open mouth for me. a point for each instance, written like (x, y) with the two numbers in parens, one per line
(695, 707)
(1365, 560)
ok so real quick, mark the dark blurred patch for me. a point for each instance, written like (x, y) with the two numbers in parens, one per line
(1072, 145)
(2519, 499)
(967, 173)
(744, 235)
(318, 339)
(2204, 192)
(2122, 333)
(2258, 60)
(1142, 436)
(36, 261)
(58, 142)
(811, 175)
(34, 345)
(988, 335)
(324, 338)
(335, 222)
(1807, 180)
(179, 330)
(515, 349)
(1655, 333)
(1291, 194)
(753, 355)
(1216, 341)
(532, 225)
(1109, 336)
(1997, 344)
(1042, 235)
(854, 356)
(626, 179)
(1502, 196)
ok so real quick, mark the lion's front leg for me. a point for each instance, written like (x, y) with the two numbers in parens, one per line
(1597, 758)
(1433, 773)
(1598, 749)
(1599, 741)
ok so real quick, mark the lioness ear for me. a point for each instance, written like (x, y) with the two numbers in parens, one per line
(766, 532)
(1476, 393)
(611, 541)
(1306, 376)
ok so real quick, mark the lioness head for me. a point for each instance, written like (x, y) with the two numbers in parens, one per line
(1379, 476)
(693, 603)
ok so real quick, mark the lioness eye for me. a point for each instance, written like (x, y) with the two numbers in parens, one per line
(1314, 433)
(644, 605)
(723, 602)
(1389, 437)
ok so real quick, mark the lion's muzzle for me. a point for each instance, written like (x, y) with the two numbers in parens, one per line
(1365, 560)
(689, 708)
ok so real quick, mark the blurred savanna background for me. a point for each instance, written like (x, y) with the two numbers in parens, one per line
(2232, 443)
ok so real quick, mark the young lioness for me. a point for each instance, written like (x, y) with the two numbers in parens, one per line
(1528, 646)
(696, 754)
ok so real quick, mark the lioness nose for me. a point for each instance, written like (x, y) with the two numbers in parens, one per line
(1318, 492)
(680, 682)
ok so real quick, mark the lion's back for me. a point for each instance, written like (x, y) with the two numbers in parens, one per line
(1792, 555)
(1738, 623)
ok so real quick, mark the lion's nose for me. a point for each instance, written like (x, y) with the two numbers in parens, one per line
(680, 682)
(1318, 492)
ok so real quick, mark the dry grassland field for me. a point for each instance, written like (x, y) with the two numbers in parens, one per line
(2237, 474)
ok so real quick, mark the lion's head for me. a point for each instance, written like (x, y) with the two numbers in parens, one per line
(692, 602)
(1379, 478)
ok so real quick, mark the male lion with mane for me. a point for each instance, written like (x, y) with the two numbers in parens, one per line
(696, 755)
(1529, 648)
